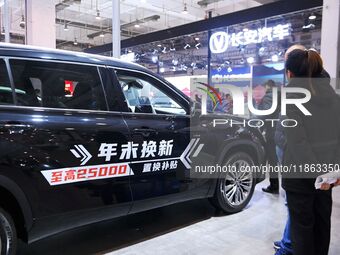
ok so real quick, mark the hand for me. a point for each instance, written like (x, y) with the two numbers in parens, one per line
(325, 186)
(337, 183)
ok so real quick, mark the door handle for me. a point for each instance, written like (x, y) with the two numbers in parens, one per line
(186, 181)
(146, 132)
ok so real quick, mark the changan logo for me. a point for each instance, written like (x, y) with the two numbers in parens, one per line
(219, 42)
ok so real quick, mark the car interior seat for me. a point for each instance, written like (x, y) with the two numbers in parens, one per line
(54, 93)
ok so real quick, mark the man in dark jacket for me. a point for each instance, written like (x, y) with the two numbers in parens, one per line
(266, 104)
(314, 141)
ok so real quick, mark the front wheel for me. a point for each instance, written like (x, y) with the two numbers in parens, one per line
(235, 189)
(8, 235)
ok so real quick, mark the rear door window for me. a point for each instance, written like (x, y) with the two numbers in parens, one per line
(58, 85)
(6, 95)
(143, 95)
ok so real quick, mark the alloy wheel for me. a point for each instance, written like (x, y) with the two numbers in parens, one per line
(237, 185)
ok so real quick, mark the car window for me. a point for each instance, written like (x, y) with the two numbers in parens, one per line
(6, 95)
(143, 96)
(58, 85)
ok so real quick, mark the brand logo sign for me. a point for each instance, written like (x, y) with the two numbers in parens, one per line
(220, 41)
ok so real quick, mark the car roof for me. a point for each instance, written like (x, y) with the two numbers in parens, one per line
(25, 51)
(18, 50)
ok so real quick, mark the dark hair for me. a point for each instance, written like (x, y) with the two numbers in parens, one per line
(305, 64)
(270, 84)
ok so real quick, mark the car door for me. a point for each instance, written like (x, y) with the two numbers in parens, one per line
(63, 141)
(159, 126)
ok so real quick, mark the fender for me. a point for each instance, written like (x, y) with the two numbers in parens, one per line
(237, 142)
(20, 197)
(228, 145)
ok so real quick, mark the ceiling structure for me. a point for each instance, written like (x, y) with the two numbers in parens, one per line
(89, 22)
(187, 54)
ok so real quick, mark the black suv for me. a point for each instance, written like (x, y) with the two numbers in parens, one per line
(85, 138)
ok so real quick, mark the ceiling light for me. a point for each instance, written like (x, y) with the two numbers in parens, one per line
(162, 70)
(154, 59)
(197, 38)
(184, 67)
(22, 22)
(187, 46)
(275, 58)
(102, 34)
(159, 45)
(75, 42)
(262, 51)
(312, 17)
(65, 27)
(98, 15)
(137, 25)
(241, 48)
(185, 10)
(309, 26)
(250, 60)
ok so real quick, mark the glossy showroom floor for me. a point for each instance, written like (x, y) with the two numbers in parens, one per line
(188, 228)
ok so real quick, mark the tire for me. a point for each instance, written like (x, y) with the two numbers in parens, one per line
(8, 234)
(234, 190)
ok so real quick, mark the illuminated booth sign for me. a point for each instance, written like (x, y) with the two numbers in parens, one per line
(220, 41)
